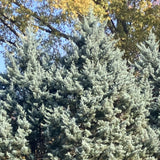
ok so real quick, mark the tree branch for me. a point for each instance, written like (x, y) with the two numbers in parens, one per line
(1, 12)
(8, 26)
(10, 42)
(111, 26)
(35, 15)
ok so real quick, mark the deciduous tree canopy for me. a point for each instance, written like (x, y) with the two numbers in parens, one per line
(129, 20)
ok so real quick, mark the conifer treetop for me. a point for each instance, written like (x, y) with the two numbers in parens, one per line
(100, 113)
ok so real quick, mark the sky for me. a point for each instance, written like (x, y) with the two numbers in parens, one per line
(2, 64)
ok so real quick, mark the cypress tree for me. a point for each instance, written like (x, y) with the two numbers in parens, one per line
(99, 111)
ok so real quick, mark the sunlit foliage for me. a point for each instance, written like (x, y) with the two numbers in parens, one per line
(129, 20)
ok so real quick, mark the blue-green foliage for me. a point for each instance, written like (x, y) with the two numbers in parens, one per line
(100, 112)
(88, 107)
(148, 66)
(13, 144)
(25, 89)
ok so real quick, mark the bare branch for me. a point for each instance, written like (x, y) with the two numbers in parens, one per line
(1, 12)
(35, 15)
(8, 26)
(10, 42)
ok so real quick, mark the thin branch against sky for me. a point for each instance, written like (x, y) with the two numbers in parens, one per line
(64, 27)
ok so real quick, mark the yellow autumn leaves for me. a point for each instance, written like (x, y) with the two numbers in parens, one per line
(75, 8)
(129, 20)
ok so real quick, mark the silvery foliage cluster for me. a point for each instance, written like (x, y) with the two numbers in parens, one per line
(88, 107)
(149, 76)
(101, 112)
(24, 95)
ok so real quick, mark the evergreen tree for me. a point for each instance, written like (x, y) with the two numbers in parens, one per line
(89, 107)
(13, 145)
(149, 75)
(99, 112)
(25, 89)
(14, 127)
